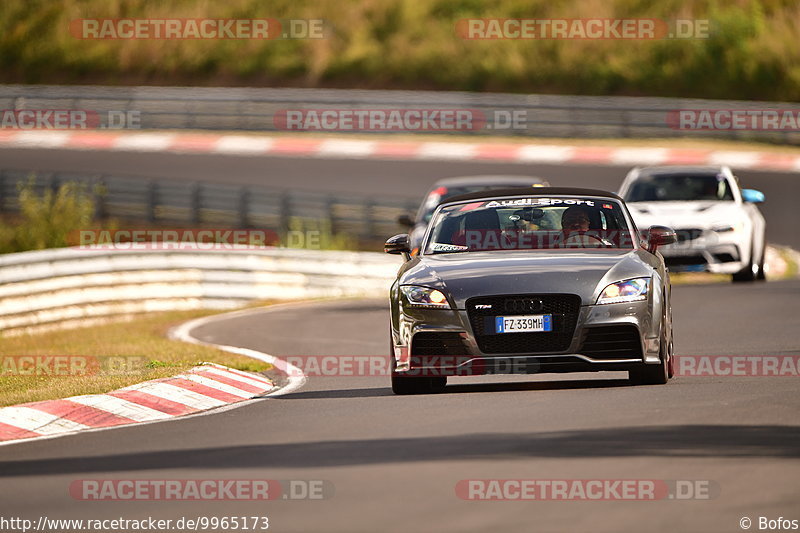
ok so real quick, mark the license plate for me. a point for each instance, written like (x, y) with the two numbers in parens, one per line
(523, 323)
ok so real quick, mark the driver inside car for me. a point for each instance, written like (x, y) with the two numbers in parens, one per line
(575, 223)
(575, 218)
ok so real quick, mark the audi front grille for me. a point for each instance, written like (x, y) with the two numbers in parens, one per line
(563, 307)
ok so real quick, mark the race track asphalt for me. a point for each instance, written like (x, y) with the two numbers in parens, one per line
(392, 463)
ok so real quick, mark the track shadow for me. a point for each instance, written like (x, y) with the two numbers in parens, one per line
(537, 385)
(336, 393)
(704, 441)
(463, 388)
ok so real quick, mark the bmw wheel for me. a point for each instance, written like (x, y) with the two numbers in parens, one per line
(762, 273)
(751, 269)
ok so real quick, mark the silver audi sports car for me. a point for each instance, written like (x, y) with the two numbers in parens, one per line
(449, 187)
(528, 281)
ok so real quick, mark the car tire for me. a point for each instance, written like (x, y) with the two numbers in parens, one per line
(762, 273)
(671, 349)
(656, 374)
(650, 374)
(413, 385)
(405, 385)
(750, 271)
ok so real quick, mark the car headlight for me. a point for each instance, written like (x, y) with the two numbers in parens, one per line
(630, 290)
(425, 297)
(725, 228)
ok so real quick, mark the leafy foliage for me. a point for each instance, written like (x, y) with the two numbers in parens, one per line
(751, 52)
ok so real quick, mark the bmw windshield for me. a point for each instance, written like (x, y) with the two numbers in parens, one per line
(680, 188)
(531, 223)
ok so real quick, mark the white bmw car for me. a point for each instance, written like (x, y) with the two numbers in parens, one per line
(718, 225)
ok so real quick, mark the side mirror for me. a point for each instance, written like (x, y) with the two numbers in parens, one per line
(660, 236)
(398, 245)
(405, 220)
(753, 196)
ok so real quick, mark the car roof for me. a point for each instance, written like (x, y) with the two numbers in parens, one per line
(705, 169)
(490, 179)
(538, 191)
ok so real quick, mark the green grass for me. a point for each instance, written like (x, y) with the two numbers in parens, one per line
(142, 339)
(792, 268)
(47, 218)
(752, 51)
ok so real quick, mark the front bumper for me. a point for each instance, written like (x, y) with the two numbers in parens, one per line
(462, 355)
(719, 253)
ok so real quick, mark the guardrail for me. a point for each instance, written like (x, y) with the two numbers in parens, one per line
(42, 288)
(160, 201)
(255, 109)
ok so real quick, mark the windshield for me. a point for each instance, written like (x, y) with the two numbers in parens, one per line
(530, 223)
(679, 188)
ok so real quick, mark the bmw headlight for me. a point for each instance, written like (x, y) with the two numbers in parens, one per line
(425, 297)
(630, 290)
(725, 228)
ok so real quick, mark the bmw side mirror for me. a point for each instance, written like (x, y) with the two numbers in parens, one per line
(398, 245)
(660, 236)
(753, 196)
(405, 220)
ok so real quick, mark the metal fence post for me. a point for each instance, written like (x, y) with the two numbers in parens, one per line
(369, 221)
(330, 213)
(98, 195)
(244, 219)
(152, 199)
(285, 212)
(51, 182)
(195, 202)
(626, 123)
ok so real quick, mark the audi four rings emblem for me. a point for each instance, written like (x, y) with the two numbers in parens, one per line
(520, 305)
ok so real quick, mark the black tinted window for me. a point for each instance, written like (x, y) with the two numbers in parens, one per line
(679, 187)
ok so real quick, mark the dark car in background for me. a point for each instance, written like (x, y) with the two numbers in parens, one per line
(531, 280)
(450, 187)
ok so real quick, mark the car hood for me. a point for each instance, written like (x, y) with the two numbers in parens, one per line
(581, 272)
(682, 215)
